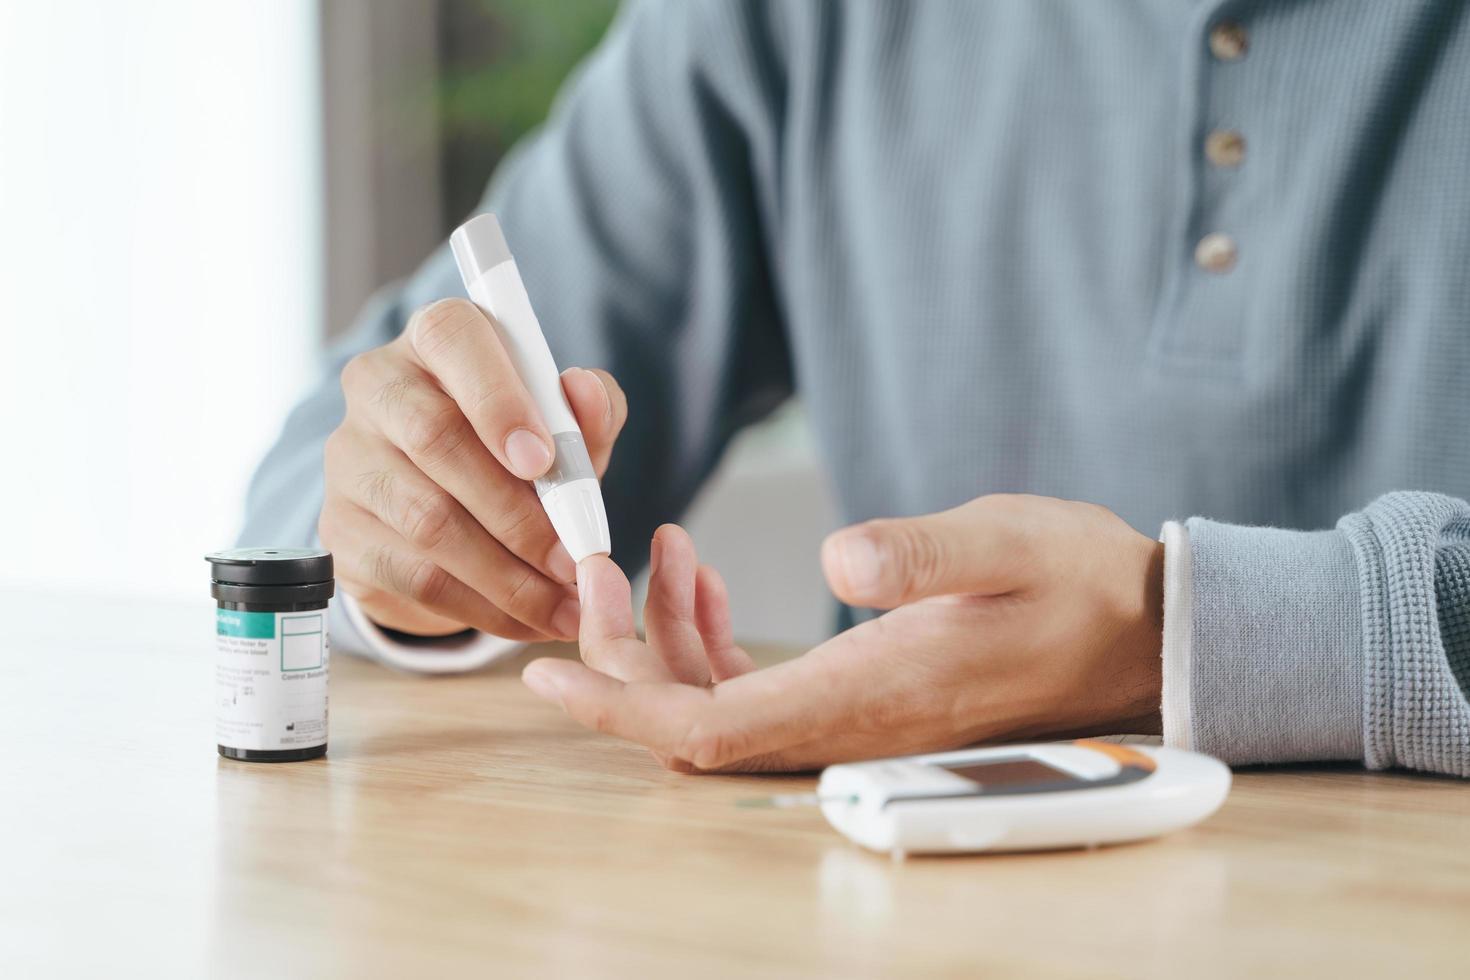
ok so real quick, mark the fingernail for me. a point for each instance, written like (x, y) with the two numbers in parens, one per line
(560, 563)
(607, 409)
(528, 454)
(567, 618)
(541, 685)
(862, 566)
(654, 550)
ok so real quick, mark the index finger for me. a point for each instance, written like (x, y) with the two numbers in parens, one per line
(607, 637)
(458, 345)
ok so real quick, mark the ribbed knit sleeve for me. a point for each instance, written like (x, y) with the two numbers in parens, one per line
(1344, 644)
(1452, 589)
(1413, 557)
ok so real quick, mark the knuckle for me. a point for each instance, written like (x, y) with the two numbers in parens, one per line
(903, 545)
(429, 520)
(521, 526)
(708, 748)
(1015, 509)
(1100, 514)
(376, 490)
(433, 432)
(355, 372)
(521, 593)
(997, 504)
(1006, 501)
(591, 655)
(439, 327)
(391, 394)
(425, 582)
(379, 568)
(495, 402)
(922, 558)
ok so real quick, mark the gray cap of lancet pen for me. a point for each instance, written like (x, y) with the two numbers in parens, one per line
(478, 245)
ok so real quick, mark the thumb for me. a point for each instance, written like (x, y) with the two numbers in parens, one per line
(887, 563)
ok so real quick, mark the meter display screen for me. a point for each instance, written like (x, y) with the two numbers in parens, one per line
(1016, 774)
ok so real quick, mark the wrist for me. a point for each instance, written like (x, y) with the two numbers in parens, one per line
(1140, 685)
(455, 653)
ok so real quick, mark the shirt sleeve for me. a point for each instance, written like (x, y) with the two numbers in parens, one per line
(1350, 644)
(353, 632)
(1178, 622)
(637, 228)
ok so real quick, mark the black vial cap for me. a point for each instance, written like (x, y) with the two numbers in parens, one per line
(271, 575)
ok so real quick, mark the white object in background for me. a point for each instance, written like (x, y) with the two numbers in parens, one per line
(1021, 797)
(569, 491)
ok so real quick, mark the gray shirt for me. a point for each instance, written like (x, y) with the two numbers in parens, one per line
(995, 247)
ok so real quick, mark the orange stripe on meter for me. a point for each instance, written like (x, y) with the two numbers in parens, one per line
(1120, 754)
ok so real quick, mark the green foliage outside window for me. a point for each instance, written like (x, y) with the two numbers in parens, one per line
(503, 62)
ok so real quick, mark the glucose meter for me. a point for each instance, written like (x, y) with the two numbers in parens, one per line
(1021, 797)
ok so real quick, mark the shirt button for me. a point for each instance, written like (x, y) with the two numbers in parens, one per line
(1225, 148)
(1215, 253)
(1228, 41)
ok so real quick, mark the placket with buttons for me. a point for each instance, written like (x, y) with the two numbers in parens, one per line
(1199, 318)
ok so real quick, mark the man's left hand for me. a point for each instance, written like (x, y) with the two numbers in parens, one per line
(1010, 617)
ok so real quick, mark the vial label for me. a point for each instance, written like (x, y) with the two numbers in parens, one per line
(271, 679)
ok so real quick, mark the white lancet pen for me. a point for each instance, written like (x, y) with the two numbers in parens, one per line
(569, 491)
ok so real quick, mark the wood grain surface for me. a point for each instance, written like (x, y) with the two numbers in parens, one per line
(459, 826)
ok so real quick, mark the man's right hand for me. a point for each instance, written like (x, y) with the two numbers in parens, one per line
(428, 508)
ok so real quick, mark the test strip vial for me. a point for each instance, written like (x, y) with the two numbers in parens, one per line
(271, 652)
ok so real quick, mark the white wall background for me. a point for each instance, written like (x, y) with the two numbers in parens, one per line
(159, 277)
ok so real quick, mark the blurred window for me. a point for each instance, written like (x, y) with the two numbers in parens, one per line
(159, 277)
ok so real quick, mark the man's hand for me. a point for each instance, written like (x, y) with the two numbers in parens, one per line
(1011, 618)
(427, 508)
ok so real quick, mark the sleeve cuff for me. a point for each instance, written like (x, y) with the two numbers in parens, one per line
(1271, 669)
(353, 632)
(1178, 609)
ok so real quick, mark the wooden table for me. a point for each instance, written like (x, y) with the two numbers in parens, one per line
(459, 826)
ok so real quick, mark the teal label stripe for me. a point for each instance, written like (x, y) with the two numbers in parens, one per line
(251, 625)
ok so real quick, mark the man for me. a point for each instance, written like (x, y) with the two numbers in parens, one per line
(1171, 259)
